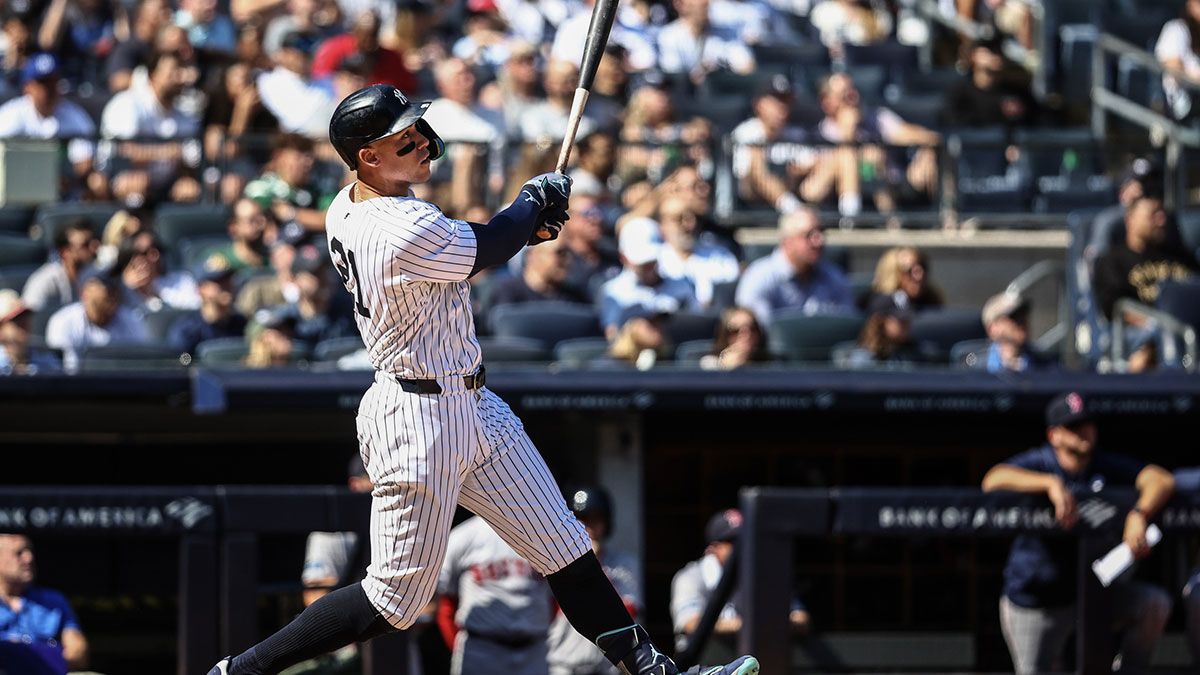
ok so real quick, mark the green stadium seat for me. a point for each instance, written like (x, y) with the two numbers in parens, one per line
(795, 336)
(175, 222)
(159, 323)
(222, 352)
(683, 327)
(16, 219)
(51, 217)
(578, 352)
(549, 322)
(16, 249)
(15, 276)
(512, 349)
(335, 348)
(692, 351)
(132, 357)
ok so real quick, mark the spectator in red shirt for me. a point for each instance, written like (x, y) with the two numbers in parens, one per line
(364, 39)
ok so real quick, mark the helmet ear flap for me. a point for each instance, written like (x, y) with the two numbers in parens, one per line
(437, 148)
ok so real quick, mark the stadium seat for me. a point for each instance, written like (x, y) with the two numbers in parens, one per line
(513, 349)
(1069, 153)
(1189, 229)
(922, 109)
(578, 352)
(722, 84)
(1181, 299)
(888, 54)
(800, 337)
(725, 112)
(16, 249)
(335, 348)
(870, 80)
(1141, 26)
(970, 354)
(159, 323)
(1076, 43)
(16, 219)
(683, 327)
(228, 351)
(174, 222)
(15, 276)
(131, 357)
(946, 327)
(985, 179)
(41, 318)
(917, 81)
(723, 295)
(791, 54)
(692, 351)
(51, 217)
(548, 322)
(193, 251)
(1055, 198)
(1139, 84)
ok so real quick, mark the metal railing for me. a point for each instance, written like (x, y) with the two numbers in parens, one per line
(1036, 274)
(775, 517)
(1169, 328)
(1105, 102)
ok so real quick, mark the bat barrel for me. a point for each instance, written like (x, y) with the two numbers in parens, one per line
(603, 14)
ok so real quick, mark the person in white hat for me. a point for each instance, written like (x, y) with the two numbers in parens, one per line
(640, 290)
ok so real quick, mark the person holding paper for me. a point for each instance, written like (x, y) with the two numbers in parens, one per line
(1187, 479)
(1037, 608)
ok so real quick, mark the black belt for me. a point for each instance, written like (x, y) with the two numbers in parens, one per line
(510, 641)
(475, 381)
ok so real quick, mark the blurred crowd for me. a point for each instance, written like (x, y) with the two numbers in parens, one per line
(225, 106)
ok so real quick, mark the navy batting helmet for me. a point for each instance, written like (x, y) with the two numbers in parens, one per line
(591, 499)
(376, 112)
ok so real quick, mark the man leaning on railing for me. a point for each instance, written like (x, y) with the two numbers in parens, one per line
(1037, 608)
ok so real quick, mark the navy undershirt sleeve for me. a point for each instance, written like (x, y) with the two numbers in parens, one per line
(505, 234)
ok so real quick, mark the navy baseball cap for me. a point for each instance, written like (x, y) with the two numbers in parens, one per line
(724, 526)
(39, 67)
(1067, 410)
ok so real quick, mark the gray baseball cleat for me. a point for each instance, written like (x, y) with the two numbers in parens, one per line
(222, 667)
(632, 652)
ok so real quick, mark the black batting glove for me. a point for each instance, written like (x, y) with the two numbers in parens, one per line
(550, 223)
(549, 190)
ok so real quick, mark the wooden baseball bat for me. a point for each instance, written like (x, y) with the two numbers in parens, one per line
(603, 14)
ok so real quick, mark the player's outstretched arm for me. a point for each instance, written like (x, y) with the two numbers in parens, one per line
(542, 200)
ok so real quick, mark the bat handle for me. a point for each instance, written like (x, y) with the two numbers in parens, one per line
(581, 97)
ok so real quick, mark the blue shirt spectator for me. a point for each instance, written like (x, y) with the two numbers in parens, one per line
(640, 290)
(795, 276)
(1006, 319)
(216, 318)
(97, 320)
(38, 617)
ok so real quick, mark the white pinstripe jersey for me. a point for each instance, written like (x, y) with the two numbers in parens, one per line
(406, 264)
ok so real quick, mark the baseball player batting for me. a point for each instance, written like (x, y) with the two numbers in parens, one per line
(430, 433)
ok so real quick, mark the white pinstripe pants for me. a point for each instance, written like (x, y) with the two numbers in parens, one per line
(425, 453)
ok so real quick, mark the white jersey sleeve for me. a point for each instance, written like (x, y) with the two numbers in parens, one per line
(428, 245)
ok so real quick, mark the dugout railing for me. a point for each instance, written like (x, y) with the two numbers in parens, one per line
(775, 517)
(219, 532)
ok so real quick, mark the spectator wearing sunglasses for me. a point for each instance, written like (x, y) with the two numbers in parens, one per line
(738, 342)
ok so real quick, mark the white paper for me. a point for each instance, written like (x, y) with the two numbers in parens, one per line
(1120, 558)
